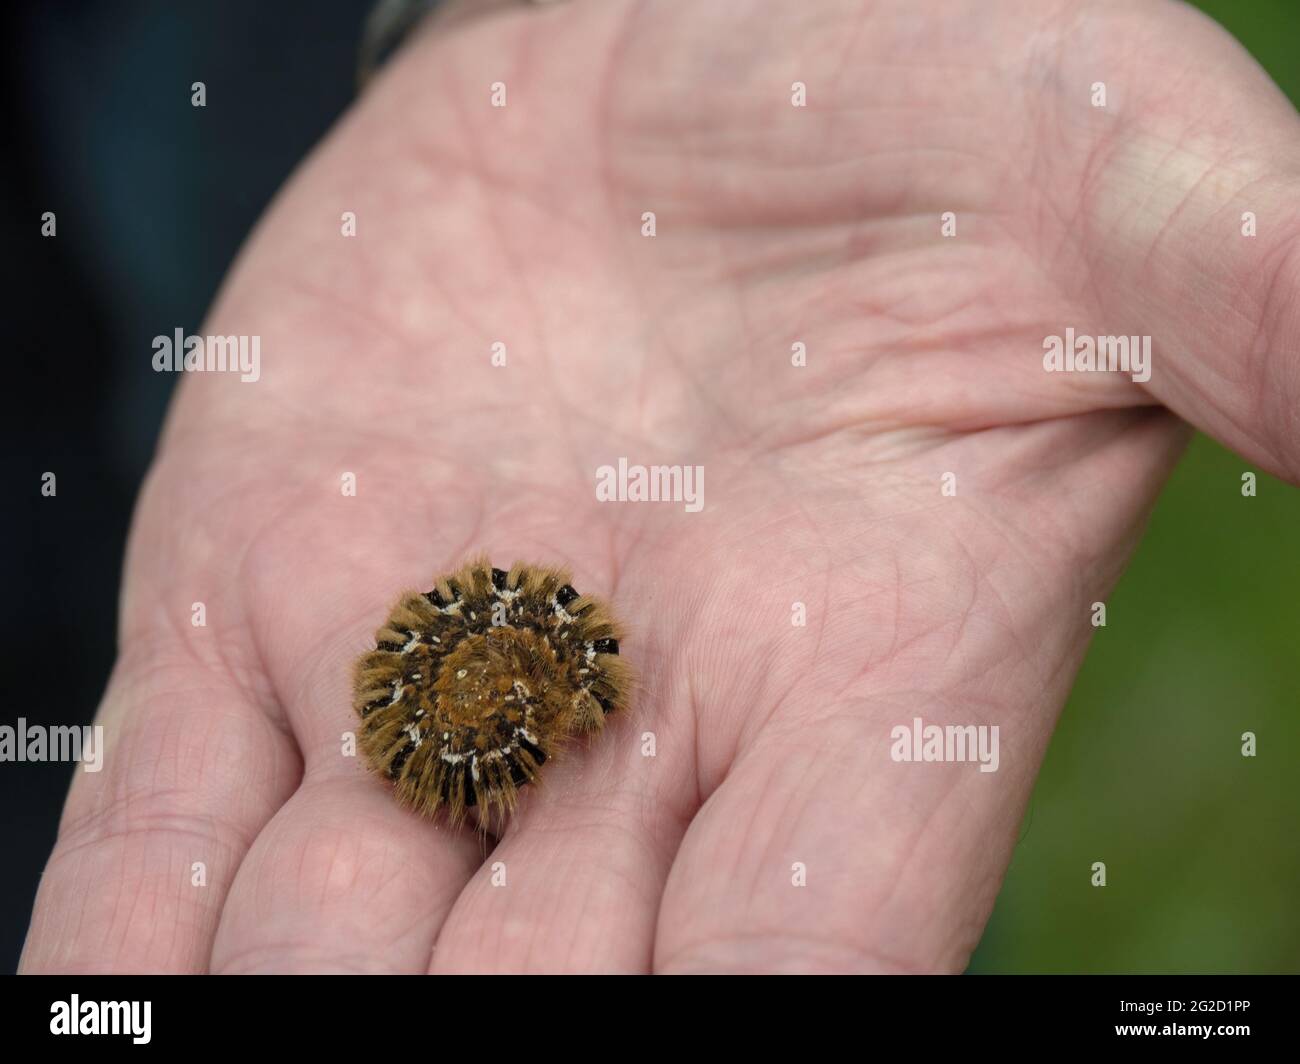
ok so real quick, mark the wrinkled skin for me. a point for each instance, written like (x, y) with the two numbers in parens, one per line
(775, 225)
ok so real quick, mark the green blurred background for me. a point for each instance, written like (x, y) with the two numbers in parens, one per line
(1145, 773)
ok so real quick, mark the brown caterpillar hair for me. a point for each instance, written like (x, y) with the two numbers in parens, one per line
(474, 685)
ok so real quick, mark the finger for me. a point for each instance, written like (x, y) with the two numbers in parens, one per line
(196, 760)
(192, 768)
(1194, 221)
(343, 879)
(574, 885)
(900, 861)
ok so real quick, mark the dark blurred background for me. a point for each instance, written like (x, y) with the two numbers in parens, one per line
(153, 198)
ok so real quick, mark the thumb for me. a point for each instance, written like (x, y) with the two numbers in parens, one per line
(1194, 238)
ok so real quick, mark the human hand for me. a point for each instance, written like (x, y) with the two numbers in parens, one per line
(775, 225)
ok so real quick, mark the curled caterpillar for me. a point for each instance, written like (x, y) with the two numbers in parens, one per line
(473, 686)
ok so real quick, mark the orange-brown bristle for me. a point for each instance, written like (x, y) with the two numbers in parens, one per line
(475, 684)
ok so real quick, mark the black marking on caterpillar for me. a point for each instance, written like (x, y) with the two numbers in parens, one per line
(474, 685)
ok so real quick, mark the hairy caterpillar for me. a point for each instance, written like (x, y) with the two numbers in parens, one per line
(474, 686)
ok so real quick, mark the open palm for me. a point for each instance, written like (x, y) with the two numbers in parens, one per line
(942, 511)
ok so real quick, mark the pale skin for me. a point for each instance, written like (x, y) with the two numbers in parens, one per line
(823, 486)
